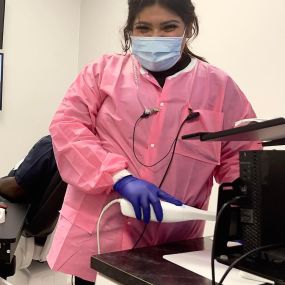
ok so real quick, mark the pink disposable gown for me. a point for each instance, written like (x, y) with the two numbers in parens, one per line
(92, 135)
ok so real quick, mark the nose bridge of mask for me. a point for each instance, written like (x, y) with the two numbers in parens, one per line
(161, 44)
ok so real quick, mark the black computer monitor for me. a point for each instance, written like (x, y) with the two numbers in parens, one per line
(257, 220)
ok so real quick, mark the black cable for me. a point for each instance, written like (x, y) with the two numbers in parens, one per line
(134, 130)
(140, 237)
(173, 151)
(145, 225)
(138, 160)
(221, 211)
(276, 245)
(191, 116)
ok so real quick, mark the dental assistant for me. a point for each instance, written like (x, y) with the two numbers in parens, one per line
(118, 121)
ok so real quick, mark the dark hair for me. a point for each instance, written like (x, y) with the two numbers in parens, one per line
(183, 8)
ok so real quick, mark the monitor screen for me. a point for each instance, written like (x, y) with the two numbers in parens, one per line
(2, 12)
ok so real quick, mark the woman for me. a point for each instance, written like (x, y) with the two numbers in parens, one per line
(118, 131)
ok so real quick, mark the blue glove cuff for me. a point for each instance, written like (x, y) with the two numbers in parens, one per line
(123, 181)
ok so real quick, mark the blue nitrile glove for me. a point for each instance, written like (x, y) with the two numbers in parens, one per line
(142, 194)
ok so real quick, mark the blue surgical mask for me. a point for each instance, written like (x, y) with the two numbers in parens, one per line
(157, 53)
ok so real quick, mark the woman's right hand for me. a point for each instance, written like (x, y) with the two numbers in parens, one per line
(141, 195)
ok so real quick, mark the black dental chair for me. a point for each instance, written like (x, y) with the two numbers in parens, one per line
(34, 234)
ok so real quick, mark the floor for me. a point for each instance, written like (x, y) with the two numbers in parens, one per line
(39, 274)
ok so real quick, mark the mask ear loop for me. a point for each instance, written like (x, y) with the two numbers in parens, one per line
(137, 81)
(188, 40)
(184, 36)
(184, 33)
(191, 38)
(147, 110)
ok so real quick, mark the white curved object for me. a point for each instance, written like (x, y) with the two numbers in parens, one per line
(171, 213)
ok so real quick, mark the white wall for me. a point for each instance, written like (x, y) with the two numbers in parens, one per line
(100, 28)
(41, 59)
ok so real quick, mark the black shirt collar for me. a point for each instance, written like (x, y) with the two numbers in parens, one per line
(180, 65)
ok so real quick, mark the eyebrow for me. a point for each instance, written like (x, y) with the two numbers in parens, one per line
(161, 24)
(170, 22)
(142, 23)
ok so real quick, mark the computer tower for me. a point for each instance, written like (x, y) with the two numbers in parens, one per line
(262, 212)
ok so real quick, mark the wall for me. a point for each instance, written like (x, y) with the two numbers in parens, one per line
(100, 28)
(41, 59)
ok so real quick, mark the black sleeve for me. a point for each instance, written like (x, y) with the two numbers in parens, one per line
(38, 167)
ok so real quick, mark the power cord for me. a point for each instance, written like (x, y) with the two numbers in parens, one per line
(276, 245)
(99, 220)
(219, 215)
(221, 211)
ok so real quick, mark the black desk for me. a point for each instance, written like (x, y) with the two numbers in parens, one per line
(146, 265)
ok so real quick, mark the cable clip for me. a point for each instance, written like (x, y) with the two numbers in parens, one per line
(192, 115)
(149, 111)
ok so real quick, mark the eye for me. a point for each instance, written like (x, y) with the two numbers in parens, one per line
(170, 28)
(141, 29)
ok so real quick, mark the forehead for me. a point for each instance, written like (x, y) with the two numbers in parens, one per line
(156, 14)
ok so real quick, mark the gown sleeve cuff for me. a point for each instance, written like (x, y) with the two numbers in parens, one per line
(119, 175)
